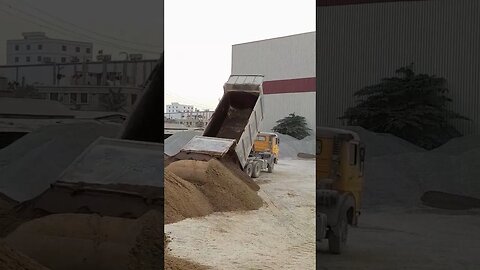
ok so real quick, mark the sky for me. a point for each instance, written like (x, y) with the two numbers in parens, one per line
(111, 25)
(199, 36)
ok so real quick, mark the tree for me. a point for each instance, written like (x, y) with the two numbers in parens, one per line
(113, 101)
(411, 106)
(293, 125)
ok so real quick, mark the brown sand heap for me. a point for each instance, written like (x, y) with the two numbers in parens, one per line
(14, 260)
(174, 263)
(89, 241)
(221, 189)
(183, 199)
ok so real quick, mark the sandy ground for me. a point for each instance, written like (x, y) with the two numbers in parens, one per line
(409, 239)
(280, 235)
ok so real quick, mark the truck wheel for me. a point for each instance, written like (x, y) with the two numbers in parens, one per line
(257, 168)
(270, 167)
(248, 169)
(337, 241)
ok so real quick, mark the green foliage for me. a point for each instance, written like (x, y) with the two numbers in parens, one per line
(114, 101)
(411, 106)
(293, 125)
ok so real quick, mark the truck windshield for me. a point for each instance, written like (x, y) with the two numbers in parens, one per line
(261, 138)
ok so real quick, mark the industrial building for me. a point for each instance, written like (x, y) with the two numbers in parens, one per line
(359, 42)
(80, 86)
(37, 48)
(288, 64)
(176, 110)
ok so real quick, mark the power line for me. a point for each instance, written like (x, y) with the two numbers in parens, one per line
(69, 32)
(89, 30)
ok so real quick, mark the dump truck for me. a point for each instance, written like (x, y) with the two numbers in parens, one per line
(106, 190)
(235, 127)
(265, 147)
(340, 158)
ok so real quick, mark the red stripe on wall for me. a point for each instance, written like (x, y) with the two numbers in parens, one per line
(353, 2)
(289, 86)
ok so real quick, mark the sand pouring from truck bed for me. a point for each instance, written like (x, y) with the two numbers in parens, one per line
(222, 190)
(183, 199)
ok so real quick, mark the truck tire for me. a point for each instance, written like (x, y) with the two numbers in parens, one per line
(337, 241)
(248, 169)
(270, 167)
(257, 168)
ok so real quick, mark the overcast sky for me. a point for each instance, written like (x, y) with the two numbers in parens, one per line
(135, 26)
(199, 36)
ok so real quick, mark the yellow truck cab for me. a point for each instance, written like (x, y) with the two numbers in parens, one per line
(264, 154)
(267, 142)
(340, 162)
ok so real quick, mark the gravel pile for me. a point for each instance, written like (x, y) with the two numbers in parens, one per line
(398, 173)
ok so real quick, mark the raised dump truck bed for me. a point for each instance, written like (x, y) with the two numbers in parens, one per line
(236, 121)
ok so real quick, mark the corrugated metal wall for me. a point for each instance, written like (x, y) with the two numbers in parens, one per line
(278, 106)
(357, 45)
(280, 58)
(291, 57)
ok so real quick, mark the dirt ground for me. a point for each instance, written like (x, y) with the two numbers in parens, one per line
(279, 235)
(421, 238)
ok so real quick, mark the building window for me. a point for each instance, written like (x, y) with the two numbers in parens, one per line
(77, 49)
(28, 59)
(64, 48)
(134, 98)
(84, 98)
(64, 59)
(28, 47)
(40, 47)
(16, 59)
(53, 96)
(73, 98)
(17, 47)
(39, 58)
(88, 50)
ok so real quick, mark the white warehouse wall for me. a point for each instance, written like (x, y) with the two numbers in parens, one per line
(282, 58)
(278, 106)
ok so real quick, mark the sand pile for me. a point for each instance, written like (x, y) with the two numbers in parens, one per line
(147, 253)
(227, 192)
(205, 187)
(174, 263)
(183, 199)
(32, 163)
(90, 241)
(14, 260)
